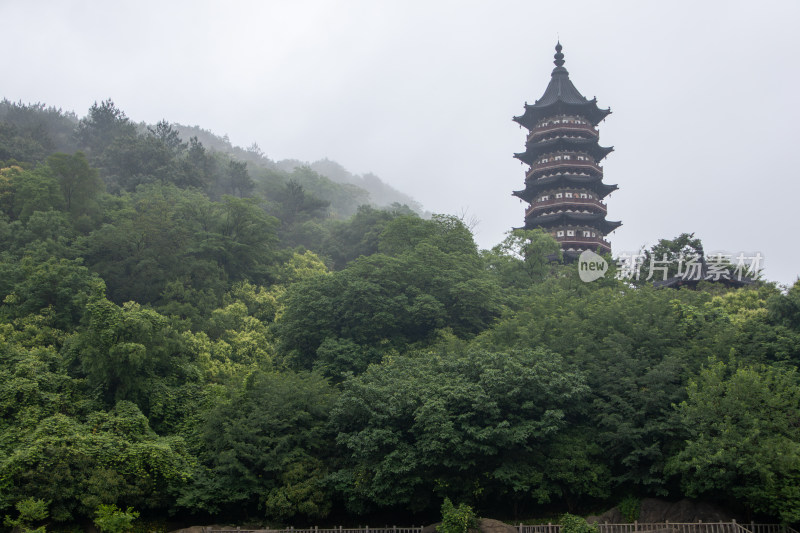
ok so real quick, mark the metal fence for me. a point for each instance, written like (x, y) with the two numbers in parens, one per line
(317, 529)
(636, 527)
(668, 527)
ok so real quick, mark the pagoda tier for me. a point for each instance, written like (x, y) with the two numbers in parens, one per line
(534, 113)
(596, 220)
(574, 147)
(564, 180)
(564, 184)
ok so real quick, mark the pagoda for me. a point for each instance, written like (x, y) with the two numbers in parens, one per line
(564, 185)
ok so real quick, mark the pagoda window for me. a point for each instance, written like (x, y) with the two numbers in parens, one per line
(567, 157)
(584, 195)
(557, 158)
(590, 196)
(560, 233)
(587, 233)
(593, 234)
(559, 195)
(568, 194)
(570, 233)
(545, 198)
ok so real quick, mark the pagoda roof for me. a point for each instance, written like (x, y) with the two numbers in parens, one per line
(534, 150)
(561, 97)
(596, 220)
(594, 183)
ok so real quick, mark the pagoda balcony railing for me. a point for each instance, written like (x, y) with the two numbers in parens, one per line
(539, 167)
(582, 128)
(579, 241)
(566, 202)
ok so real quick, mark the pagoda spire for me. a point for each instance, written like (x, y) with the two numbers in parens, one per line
(559, 62)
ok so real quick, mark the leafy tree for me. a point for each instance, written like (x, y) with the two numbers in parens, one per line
(78, 182)
(30, 511)
(672, 255)
(110, 519)
(447, 233)
(266, 444)
(524, 257)
(198, 168)
(466, 424)
(138, 160)
(457, 519)
(637, 347)
(76, 465)
(33, 285)
(22, 145)
(296, 205)
(742, 438)
(360, 235)
(123, 349)
(33, 190)
(50, 128)
(389, 302)
(165, 133)
(103, 124)
(575, 524)
(239, 182)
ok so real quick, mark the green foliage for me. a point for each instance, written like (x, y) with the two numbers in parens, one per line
(102, 126)
(34, 285)
(523, 258)
(169, 327)
(469, 423)
(110, 519)
(629, 507)
(742, 438)
(680, 249)
(78, 182)
(391, 301)
(637, 348)
(78, 465)
(360, 235)
(457, 519)
(123, 349)
(575, 524)
(31, 510)
(266, 443)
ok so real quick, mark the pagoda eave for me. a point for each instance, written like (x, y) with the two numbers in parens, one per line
(593, 183)
(534, 113)
(536, 150)
(596, 220)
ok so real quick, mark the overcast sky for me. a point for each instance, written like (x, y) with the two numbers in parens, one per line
(705, 120)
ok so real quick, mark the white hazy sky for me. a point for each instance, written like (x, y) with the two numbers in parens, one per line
(705, 119)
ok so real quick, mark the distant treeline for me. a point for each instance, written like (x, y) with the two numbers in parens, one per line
(199, 334)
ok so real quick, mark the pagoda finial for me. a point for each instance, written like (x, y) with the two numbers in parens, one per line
(559, 62)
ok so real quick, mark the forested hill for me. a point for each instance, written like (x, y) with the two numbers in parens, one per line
(380, 194)
(42, 129)
(198, 337)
